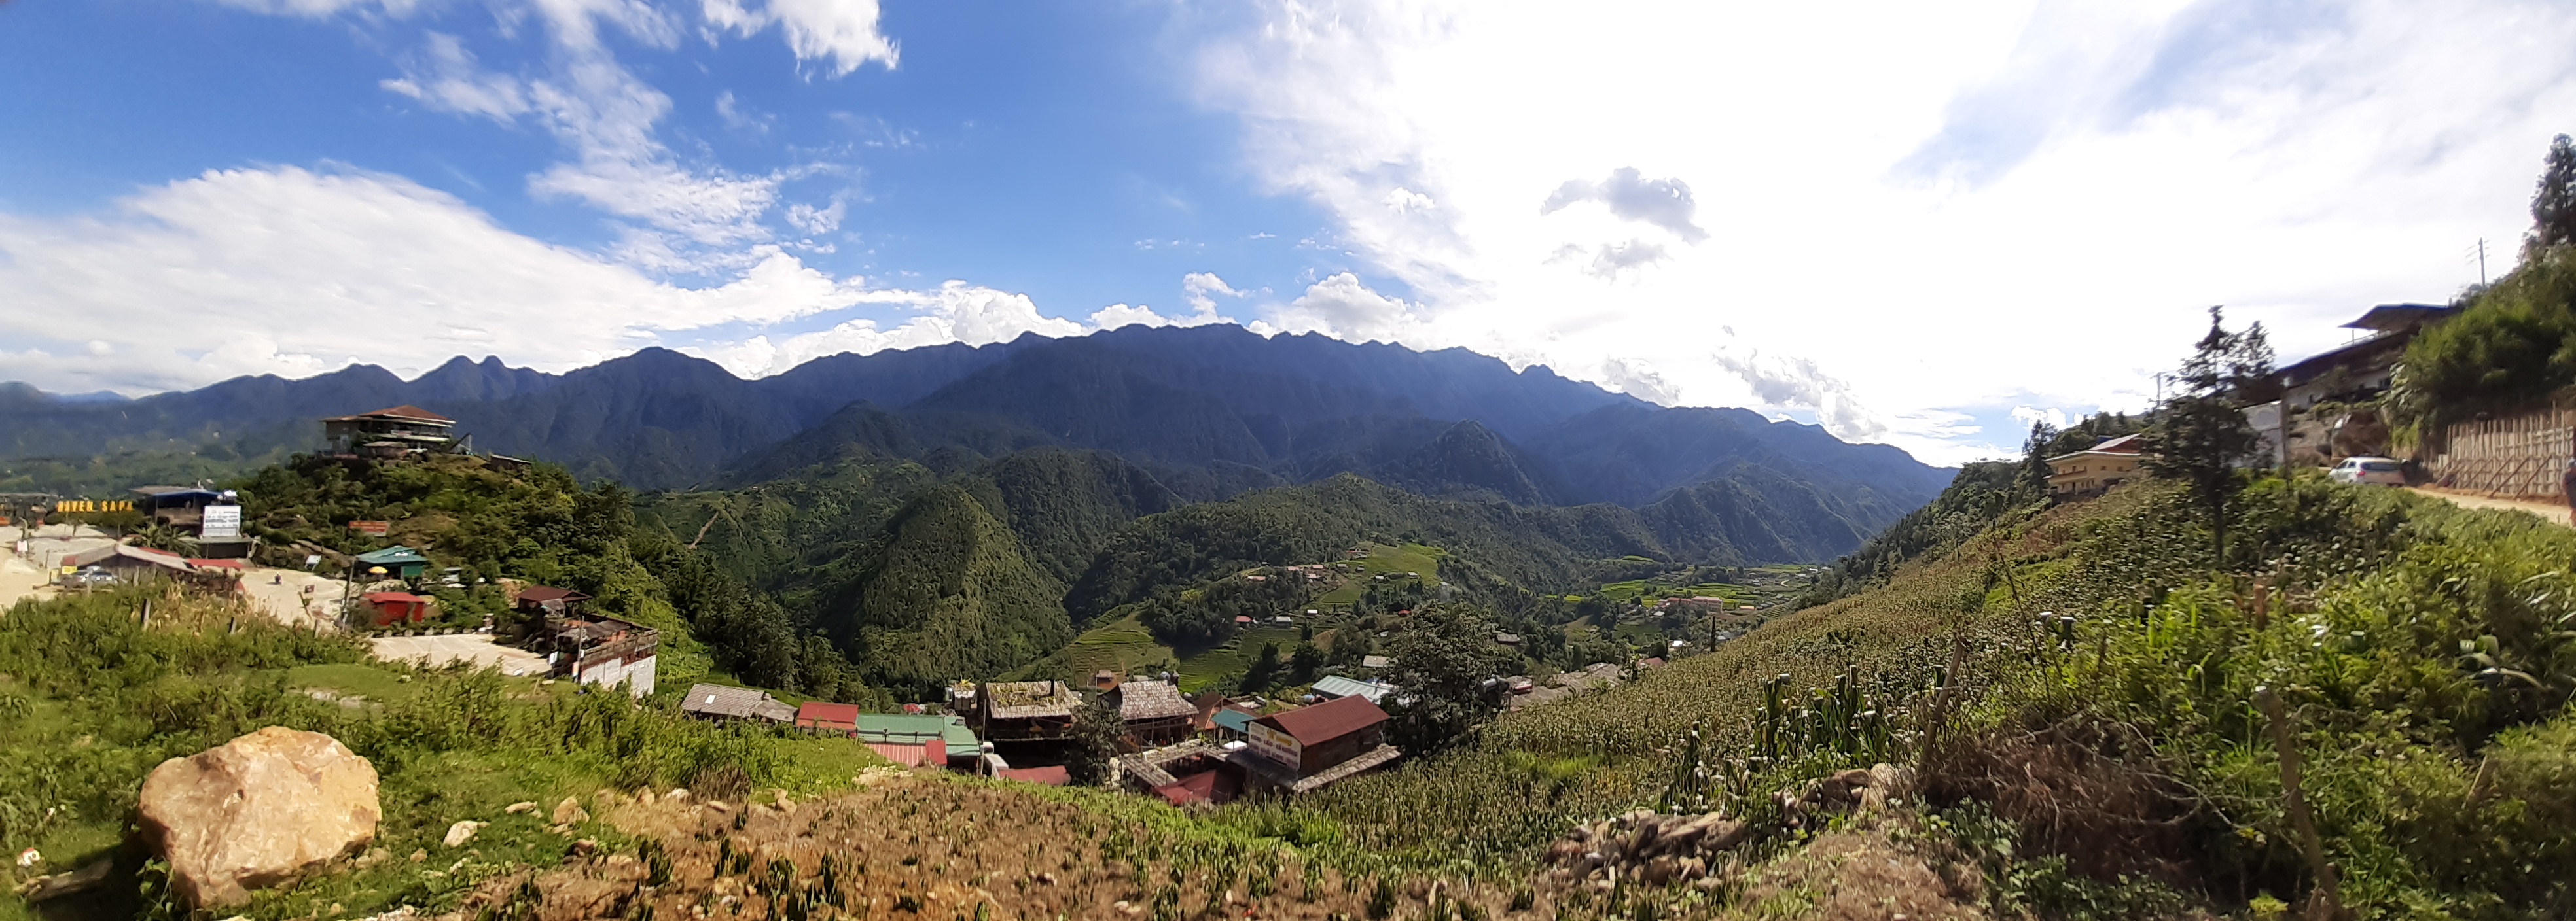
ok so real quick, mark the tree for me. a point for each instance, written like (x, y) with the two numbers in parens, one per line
(1096, 729)
(2200, 433)
(1305, 663)
(1264, 670)
(1445, 665)
(2553, 205)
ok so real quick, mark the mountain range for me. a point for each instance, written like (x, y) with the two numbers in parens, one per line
(1207, 413)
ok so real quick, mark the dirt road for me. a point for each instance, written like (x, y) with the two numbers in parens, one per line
(295, 597)
(470, 647)
(2552, 512)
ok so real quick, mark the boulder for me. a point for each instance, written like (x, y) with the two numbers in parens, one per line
(569, 812)
(257, 811)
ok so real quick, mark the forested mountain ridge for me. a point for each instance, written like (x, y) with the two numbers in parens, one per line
(1211, 411)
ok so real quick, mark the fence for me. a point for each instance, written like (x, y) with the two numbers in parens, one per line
(2518, 456)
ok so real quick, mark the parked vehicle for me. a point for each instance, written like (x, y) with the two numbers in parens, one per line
(2379, 470)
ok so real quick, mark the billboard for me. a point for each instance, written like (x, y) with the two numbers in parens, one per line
(377, 528)
(222, 522)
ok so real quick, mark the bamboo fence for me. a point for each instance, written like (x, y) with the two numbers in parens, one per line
(2518, 456)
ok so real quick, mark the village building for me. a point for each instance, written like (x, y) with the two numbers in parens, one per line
(1024, 711)
(388, 609)
(828, 718)
(1309, 748)
(182, 507)
(1154, 713)
(392, 433)
(1193, 772)
(398, 562)
(604, 651)
(126, 564)
(1335, 687)
(721, 703)
(546, 600)
(2094, 470)
(918, 739)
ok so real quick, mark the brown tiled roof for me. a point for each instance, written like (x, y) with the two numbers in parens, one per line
(541, 593)
(1331, 719)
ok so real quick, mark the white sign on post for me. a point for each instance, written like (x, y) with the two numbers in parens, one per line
(222, 522)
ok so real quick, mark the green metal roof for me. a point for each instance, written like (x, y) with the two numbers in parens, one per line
(914, 729)
(390, 556)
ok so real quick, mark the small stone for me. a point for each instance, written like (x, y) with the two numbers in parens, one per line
(373, 856)
(520, 806)
(644, 796)
(1046, 879)
(418, 855)
(584, 847)
(461, 832)
(679, 793)
(29, 858)
(569, 812)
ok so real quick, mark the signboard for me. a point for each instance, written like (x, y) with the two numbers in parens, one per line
(93, 505)
(222, 522)
(312, 560)
(1275, 745)
(377, 528)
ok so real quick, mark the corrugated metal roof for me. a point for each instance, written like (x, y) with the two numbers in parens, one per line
(820, 715)
(746, 703)
(1236, 720)
(1331, 719)
(1338, 686)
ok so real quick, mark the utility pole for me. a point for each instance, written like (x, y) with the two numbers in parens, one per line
(2482, 262)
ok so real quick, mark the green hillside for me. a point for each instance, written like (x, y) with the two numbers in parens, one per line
(942, 593)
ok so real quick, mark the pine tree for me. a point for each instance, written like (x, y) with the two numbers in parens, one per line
(2553, 206)
(2201, 433)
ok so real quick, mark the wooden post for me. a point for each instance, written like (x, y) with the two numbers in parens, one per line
(2326, 903)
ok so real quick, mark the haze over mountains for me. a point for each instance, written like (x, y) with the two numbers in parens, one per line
(1209, 412)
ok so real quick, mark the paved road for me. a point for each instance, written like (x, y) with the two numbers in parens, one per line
(2552, 512)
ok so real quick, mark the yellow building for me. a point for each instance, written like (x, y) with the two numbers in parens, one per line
(2094, 470)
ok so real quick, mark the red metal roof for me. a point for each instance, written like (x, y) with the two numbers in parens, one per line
(1053, 775)
(227, 564)
(394, 598)
(408, 411)
(819, 715)
(1331, 719)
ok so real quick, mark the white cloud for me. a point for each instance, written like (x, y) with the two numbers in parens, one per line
(2056, 418)
(1342, 307)
(842, 30)
(445, 77)
(1665, 203)
(293, 272)
(1937, 208)
(819, 221)
(1196, 286)
(956, 312)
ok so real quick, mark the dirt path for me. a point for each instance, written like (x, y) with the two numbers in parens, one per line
(295, 597)
(2551, 512)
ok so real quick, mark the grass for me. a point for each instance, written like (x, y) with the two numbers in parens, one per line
(91, 702)
(1385, 560)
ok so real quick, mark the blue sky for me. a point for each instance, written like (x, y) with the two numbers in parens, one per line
(1913, 225)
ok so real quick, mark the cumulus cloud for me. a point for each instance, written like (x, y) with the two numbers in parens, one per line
(1664, 203)
(293, 271)
(1641, 380)
(1799, 384)
(843, 30)
(2056, 418)
(956, 312)
(1196, 288)
(815, 220)
(1342, 307)
(2296, 160)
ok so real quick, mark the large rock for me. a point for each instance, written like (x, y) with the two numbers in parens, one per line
(257, 811)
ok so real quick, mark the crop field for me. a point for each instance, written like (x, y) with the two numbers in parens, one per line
(1384, 560)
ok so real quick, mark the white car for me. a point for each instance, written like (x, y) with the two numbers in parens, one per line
(2379, 470)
